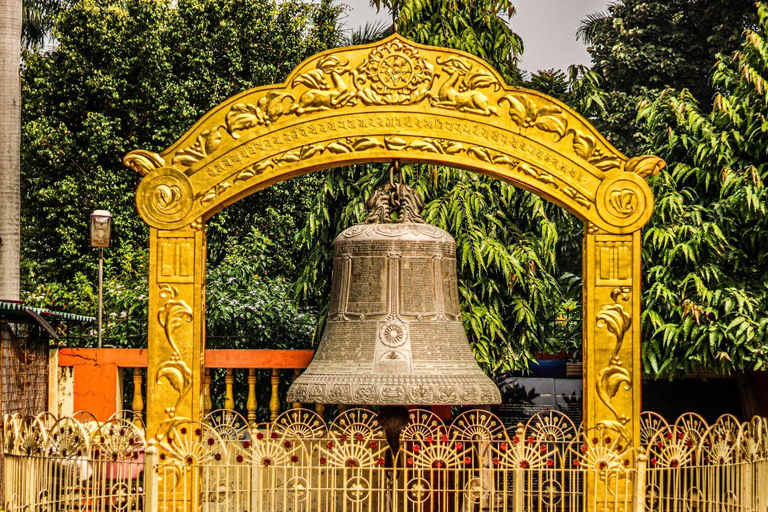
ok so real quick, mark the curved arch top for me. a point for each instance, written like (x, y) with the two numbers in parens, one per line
(393, 99)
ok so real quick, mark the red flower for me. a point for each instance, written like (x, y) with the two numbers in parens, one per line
(429, 440)
(531, 440)
(444, 438)
(329, 445)
(374, 445)
(343, 437)
(524, 464)
(294, 459)
(543, 448)
(239, 458)
(210, 441)
(516, 439)
(274, 435)
(266, 461)
(467, 460)
(409, 461)
(503, 446)
(259, 436)
(351, 463)
(603, 464)
(381, 461)
(287, 444)
(323, 460)
(495, 461)
(459, 446)
(246, 444)
(360, 437)
(416, 448)
(217, 456)
(550, 463)
(576, 463)
(653, 461)
(669, 435)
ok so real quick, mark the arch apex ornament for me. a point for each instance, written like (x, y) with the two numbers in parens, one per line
(394, 99)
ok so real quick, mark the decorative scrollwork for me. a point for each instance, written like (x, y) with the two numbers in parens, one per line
(175, 370)
(613, 377)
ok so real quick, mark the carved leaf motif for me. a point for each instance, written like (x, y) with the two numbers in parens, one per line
(583, 145)
(551, 119)
(480, 153)
(427, 145)
(257, 169)
(289, 157)
(241, 117)
(365, 143)
(645, 165)
(517, 108)
(395, 143)
(577, 197)
(501, 159)
(528, 170)
(143, 162)
(213, 193)
(610, 380)
(547, 179)
(605, 162)
(339, 147)
(206, 143)
(617, 321)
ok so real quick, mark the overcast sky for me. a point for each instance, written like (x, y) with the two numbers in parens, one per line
(548, 29)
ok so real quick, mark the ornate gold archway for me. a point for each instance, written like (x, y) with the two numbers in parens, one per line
(394, 100)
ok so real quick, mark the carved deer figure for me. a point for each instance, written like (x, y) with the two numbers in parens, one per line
(460, 91)
(321, 94)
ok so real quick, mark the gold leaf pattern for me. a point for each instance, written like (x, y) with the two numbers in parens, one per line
(207, 142)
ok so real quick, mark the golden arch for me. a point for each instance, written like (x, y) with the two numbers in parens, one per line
(395, 99)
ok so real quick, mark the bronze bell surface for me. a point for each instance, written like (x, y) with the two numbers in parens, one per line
(394, 333)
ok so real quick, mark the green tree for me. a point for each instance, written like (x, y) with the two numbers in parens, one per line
(639, 47)
(706, 268)
(133, 73)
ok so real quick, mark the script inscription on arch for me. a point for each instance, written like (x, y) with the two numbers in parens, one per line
(393, 99)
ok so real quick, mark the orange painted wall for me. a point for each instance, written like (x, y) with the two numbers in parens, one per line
(97, 371)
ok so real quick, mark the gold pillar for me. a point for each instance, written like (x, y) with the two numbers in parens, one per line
(176, 329)
(252, 405)
(612, 369)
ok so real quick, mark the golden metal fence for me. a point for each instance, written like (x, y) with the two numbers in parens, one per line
(301, 463)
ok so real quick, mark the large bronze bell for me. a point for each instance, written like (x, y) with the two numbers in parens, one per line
(394, 333)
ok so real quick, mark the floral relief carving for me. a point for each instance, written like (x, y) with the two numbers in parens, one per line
(614, 377)
(175, 370)
(268, 109)
(577, 197)
(646, 165)
(207, 143)
(143, 161)
(624, 201)
(461, 90)
(585, 146)
(525, 113)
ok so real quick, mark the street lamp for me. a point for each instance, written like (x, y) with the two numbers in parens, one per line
(101, 228)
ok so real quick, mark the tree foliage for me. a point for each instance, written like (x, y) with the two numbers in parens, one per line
(706, 271)
(129, 74)
(639, 47)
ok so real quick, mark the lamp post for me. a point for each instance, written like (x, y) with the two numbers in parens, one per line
(101, 228)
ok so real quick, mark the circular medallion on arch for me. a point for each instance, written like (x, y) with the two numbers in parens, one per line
(624, 200)
(393, 334)
(164, 196)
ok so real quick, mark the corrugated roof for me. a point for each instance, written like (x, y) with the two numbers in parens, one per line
(20, 307)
